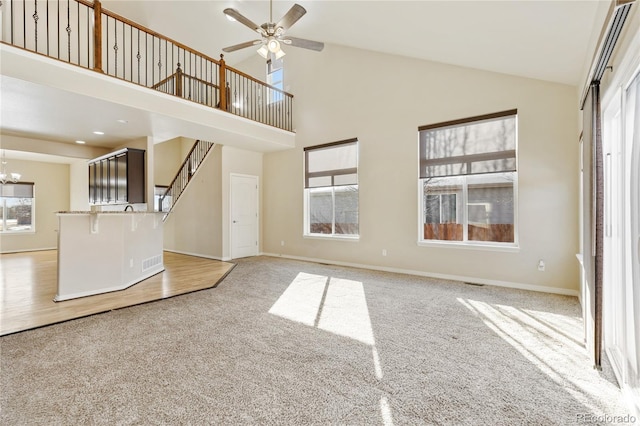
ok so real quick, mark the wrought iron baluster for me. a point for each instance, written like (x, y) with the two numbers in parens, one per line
(115, 47)
(89, 65)
(57, 28)
(68, 32)
(35, 20)
(138, 56)
(78, 29)
(159, 59)
(131, 54)
(47, 19)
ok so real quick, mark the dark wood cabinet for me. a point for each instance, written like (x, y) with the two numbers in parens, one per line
(118, 178)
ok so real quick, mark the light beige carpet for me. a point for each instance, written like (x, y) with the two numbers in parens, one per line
(288, 342)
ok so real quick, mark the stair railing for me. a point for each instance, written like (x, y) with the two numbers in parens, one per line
(189, 166)
(82, 33)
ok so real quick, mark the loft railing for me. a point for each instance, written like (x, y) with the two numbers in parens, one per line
(188, 168)
(82, 33)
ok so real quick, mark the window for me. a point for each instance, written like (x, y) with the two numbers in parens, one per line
(468, 179)
(331, 189)
(275, 78)
(17, 207)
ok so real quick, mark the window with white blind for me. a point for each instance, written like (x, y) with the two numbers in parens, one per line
(17, 207)
(331, 189)
(468, 180)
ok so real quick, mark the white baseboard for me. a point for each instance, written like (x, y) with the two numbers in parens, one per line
(206, 256)
(508, 284)
(120, 287)
(28, 250)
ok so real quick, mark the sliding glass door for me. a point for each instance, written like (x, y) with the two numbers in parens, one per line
(621, 277)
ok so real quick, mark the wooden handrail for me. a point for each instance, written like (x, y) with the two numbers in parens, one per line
(101, 57)
(187, 158)
(88, 3)
(179, 177)
(258, 81)
(220, 62)
(199, 80)
(163, 81)
(156, 34)
(177, 73)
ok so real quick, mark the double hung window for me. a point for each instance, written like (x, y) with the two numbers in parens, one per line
(331, 189)
(468, 179)
(17, 207)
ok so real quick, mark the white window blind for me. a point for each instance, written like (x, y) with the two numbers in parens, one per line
(334, 164)
(482, 144)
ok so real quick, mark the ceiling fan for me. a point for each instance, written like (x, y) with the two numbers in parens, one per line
(273, 33)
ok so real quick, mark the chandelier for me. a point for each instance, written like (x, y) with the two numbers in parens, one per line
(7, 177)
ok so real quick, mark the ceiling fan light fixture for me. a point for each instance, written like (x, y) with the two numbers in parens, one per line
(263, 51)
(280, 53)
(273, 45)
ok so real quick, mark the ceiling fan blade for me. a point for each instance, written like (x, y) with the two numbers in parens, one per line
(241, 45)
(234, 14)
(291, 17)
(301, 42)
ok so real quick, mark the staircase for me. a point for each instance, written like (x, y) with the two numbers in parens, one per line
(187, 170)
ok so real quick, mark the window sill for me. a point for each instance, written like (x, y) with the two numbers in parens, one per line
(17, 232)
(353, 239)
(508, 248)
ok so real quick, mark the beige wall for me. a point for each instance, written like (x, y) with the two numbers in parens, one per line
(195, 224)
(343, 93)
(200, 223)
(79, 185)
(167, 159)
(51, 195)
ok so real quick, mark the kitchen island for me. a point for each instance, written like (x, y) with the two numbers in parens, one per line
(99, 252)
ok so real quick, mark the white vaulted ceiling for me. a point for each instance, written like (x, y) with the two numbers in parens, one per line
(542, 39)
(550, 40)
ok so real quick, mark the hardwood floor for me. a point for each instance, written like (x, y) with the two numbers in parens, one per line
(28, 284)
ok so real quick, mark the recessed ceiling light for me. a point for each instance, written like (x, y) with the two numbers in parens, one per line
(122, 121)
(97, 132)
(81, 142)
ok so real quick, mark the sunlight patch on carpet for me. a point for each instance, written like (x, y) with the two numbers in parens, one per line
(336, 305)
(300, 302)
(548, 343)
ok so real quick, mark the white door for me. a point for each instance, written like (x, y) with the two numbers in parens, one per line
(244, 216)
(614, 315)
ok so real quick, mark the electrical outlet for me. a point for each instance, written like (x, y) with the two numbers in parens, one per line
(384, 252)
(282, 243)
(541, 265)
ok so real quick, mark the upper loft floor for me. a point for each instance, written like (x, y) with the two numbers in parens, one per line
(67, 65)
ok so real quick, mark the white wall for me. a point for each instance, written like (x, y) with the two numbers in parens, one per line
(343, 93)
(51, 195)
